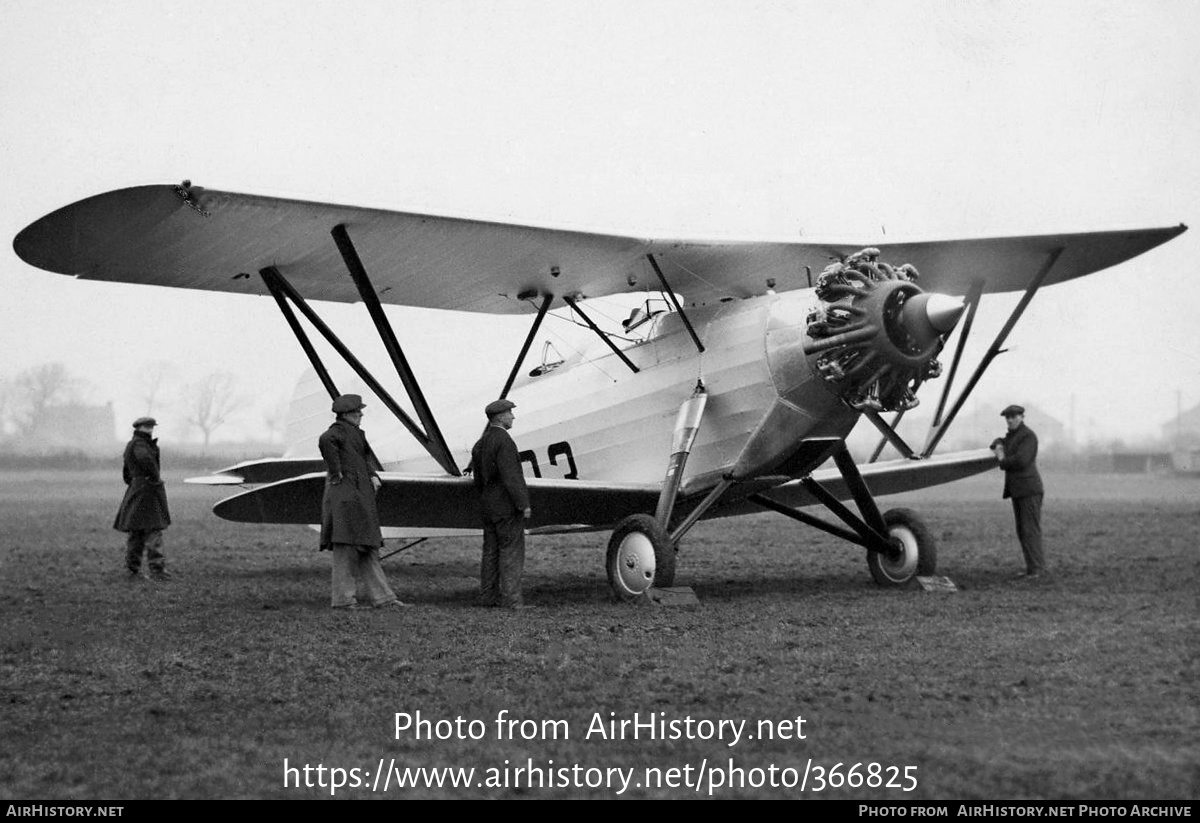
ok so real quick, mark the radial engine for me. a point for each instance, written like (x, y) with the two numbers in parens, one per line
(875, 335)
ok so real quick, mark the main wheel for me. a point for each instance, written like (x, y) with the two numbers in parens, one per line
(918, 550)
(640, 555)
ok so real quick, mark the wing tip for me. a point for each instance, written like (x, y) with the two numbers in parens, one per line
(53, 242)
(216, 480)
(32, 247)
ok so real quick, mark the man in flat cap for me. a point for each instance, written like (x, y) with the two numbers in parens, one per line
(504, 498)
(143, 513)
(349, 517)
(1017, 455)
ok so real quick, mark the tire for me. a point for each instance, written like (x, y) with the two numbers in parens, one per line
(639, 556)
(919, 549)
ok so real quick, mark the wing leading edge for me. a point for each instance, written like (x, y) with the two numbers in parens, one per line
(214, 240)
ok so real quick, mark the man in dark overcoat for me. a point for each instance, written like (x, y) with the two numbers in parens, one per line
(1017, 456)
(349, 517)
(504, 499)
(143, 512)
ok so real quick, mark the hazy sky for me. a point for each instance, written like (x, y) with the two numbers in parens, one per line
(684, 119)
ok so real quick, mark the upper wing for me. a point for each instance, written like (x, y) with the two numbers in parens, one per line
(1009, 263)
(206, 239)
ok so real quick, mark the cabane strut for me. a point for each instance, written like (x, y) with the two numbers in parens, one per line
(537, 323)
(678, 308)
(570, 301)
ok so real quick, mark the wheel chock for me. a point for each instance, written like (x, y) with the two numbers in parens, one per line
(937, 583)
(673, 596)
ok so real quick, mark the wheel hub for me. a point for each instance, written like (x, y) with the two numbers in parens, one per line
(903, 564)
(635, 565)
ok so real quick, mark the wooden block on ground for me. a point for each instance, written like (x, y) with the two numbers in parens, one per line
(674, 596)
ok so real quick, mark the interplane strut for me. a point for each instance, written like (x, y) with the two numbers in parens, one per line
(430, 437)
(974, 295)
(433, 441)
(936, 434)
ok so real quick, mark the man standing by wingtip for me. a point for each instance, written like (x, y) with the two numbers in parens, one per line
(143, 513)
(1017, 456)
(504, 498)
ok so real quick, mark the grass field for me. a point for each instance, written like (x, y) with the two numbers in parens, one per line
(1082, 686)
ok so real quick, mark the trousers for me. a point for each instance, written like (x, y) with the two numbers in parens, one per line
(1028, 514)
(357, 574)
(503, 562)
(149, 541)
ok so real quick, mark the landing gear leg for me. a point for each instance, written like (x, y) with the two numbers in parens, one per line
(641, 554)
(899, 545)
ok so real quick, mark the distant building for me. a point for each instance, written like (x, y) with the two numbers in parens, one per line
(970, 430)
(1140, 462)
(72, 426)
(985, 420)
(1184, 430)
(1186, 461)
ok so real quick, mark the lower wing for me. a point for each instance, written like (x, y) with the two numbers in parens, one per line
(266, 470)
(409, 502)
(422, 505)
(890, 477)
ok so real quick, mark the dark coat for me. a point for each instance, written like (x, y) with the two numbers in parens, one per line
(348, 511)
(144, 506)
(496, 468)
(1021, 478)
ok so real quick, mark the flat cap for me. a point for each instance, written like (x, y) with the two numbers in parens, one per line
(145, 421)
(498, 407)
(348, 403)
(1012, 411)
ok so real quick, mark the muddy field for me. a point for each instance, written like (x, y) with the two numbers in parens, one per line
(231, 679)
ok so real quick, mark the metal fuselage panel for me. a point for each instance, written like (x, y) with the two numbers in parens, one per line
(613, 425)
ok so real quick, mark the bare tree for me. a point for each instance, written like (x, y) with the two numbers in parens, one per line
(36, 389)
(153, 377)
(211, 402)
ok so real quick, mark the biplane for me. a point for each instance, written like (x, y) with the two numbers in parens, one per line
(730, 390)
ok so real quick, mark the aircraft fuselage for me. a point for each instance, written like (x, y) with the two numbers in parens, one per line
(594, 418)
